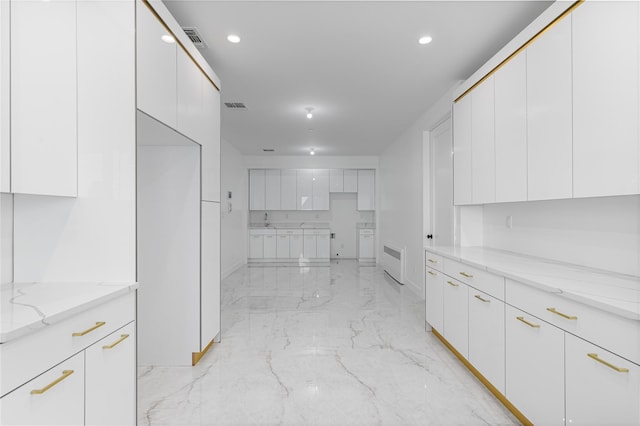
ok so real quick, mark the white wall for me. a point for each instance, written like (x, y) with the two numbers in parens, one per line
(400, 183)
(234, 178)
(602, 233)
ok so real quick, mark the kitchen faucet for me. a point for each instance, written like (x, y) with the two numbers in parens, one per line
(266, 219)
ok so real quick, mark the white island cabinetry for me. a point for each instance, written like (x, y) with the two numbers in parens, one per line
(288, 243)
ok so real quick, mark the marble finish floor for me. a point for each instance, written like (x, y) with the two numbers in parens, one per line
(336, 345)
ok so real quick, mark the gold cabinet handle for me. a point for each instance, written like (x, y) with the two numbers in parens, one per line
(569, 317)
(464, 274)
(477, 296)
(618, 369)
(453, 284)
(117, 342)
(89, 330)
(432, 273)
(432, 261)
(65, 374)
(527, 322)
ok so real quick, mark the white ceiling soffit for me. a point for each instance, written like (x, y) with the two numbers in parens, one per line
(357, 63)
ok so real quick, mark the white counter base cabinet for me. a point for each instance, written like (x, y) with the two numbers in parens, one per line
(310, 248)
(534, 367)
(366, 245)
(256, 246)
(270, 246)
(434, 299)
(210, 273)
(296, 246)
(282, 246)
(456, 315)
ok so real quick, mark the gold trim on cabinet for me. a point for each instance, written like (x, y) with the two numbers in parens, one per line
(65, 374)
(117, 342)
(89, 330)
(520, 49)
(453, 284)
(569, 317)
(484, 381)
(166, 27)
(197, 356)
(521, 319)
(477, 296)
(608, 364)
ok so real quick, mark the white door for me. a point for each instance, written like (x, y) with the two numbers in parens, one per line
(310, 250)
(111, 379)
(322, 246)
(456, 315)
(296, 246)
(257, 189)
(305, 190)
(441, 175)
(256, 246)
(270, 247)
(272, 189)
(283, 246)
(288, 188)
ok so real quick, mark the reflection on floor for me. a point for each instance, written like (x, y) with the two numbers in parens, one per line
(337, 345)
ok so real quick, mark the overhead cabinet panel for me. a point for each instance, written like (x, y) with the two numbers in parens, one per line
(462, 151)
(366, 190)
(320, 189)
(272, 188)
(189, 98)
(288, 188)
(336, 180)
(210, 141)
(256, 189)
(5, 85)
(483, 175)
(350, 177)
(305, 190)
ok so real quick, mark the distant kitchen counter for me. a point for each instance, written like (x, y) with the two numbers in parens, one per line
(289, 226)
(366, 225)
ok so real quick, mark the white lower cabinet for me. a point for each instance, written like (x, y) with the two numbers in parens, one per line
(434, 302)
(296, 246)
(601, 388)
(323, 246)
(310, 251)
(270, 246)
(486, 336)
(256, 246)
(534, 367)
(366, 244)
(456, 315)
(282, 246)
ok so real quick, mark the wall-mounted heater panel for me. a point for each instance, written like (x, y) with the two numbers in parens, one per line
(393, 261)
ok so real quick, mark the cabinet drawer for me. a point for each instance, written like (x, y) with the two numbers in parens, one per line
(316, 232)
(253, 232)
(479, 279)
(366, 232)
(289, 232)
(24, 358)
(615, 333)
(434, 261)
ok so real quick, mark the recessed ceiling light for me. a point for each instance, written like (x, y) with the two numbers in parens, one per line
(309, 114)
(233, 38)
(168, 39)
(425, 40)
(312, 152)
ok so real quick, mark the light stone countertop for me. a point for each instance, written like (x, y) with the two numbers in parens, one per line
(365, 225)
(609, 291)
(28, 307)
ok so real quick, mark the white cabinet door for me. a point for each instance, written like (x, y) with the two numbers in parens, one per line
(601, 388)
(483, 148)
(305, 190)
(366, 243)
(288, 189)
(44, 139)
(366, 190)
(549, 114)
(350, 177)
(462, 151)
(189, 97)
(323, 247)
(310, 250)
(210, 273)
(256, 246)
(283, 247)
(110, 380)
(434, 299)
(320, 189)
(5, 104)
(336, 180)
(486, 337)
(456, 315)
(210, 142)
(272, 189)
(60, 404)
(511, 130)
(270, 247)
(156, 68)
(257, 189)
(296, 244)
(534, 360)
(606, 99)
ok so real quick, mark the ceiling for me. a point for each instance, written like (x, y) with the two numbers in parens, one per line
(357, 63)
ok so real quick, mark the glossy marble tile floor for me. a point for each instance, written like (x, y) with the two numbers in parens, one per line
(336, 345)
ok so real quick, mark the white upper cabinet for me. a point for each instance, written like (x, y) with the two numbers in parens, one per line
(511, 130)
(5, 104)
(321, 189)
(336, 180)
(483, 165)
(257, 189)
(305, 190)
(606, 139)
(462, 151)
(366, 190)
(156, 68)
(189, 98)
(210, 141)
(350, 177)
(288, 189)
(549, 114)
(272, 189)
(44, 139)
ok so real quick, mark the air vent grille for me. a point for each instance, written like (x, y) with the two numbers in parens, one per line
(195, 38)
(268, 149)
(235, 105)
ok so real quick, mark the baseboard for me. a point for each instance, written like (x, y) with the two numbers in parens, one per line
(414, 287)
(224, 274)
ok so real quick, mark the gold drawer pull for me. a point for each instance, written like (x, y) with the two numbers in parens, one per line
(432, 261)
(432, 273)
(477, 296)
(89, 330)
(569, 317)
(464, 274)
(618, 369)
(122, 337)
(452, 283)
(527, 322)
(65, 374)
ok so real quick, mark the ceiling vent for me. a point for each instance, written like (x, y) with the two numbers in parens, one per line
(268, 149)
(235, 105)
(195, 38)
